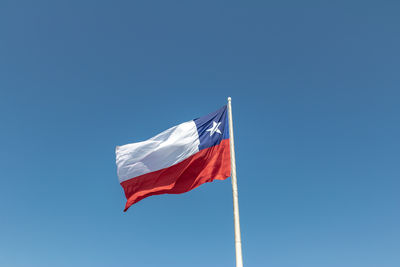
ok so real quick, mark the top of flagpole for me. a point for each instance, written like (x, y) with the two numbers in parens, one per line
(229, 99)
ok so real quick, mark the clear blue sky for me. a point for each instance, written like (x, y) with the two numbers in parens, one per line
(315, 88)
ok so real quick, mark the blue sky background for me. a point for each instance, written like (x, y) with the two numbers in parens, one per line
(315, 89)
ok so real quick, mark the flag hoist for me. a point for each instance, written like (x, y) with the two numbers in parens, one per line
(180, 159)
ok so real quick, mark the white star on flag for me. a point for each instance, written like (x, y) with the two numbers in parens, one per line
(214, 128)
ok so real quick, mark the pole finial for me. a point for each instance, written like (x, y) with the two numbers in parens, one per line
(229, 98)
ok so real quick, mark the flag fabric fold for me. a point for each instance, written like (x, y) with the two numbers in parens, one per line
(176, 160)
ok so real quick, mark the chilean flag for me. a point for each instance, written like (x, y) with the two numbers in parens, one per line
(176, 160)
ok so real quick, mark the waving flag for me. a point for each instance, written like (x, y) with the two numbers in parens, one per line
(176, 160)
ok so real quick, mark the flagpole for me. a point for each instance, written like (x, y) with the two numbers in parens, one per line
(238, 241)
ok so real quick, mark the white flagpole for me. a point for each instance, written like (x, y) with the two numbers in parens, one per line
(238, 241)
